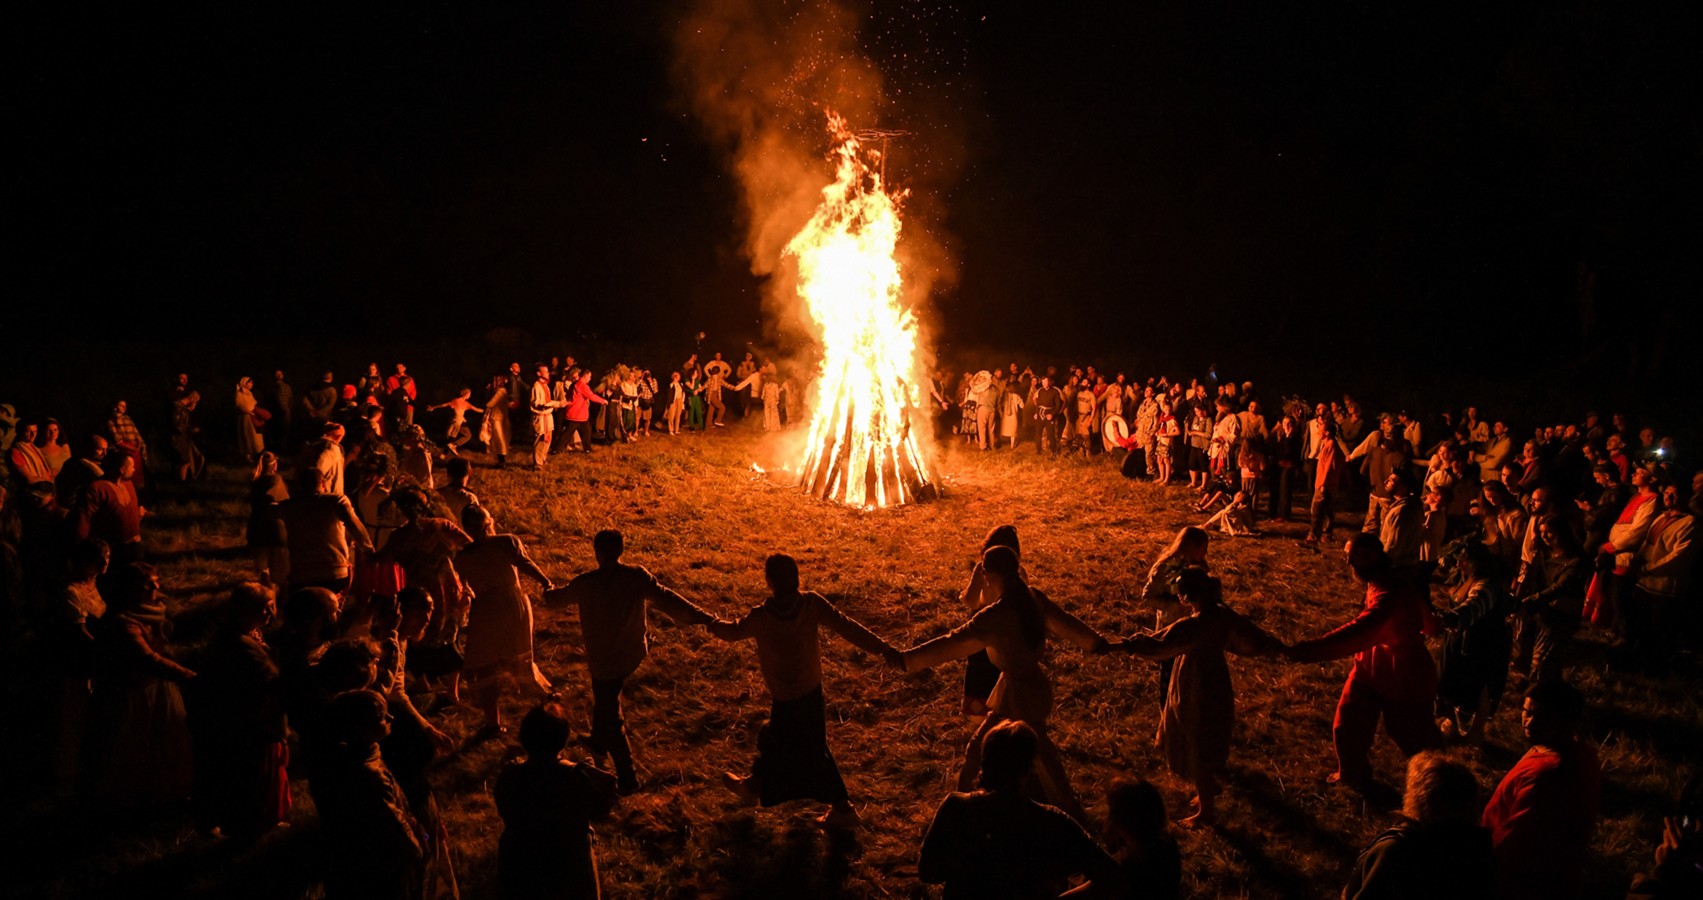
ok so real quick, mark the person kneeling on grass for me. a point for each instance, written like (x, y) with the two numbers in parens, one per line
(995, 842)
(547, 805)
(793, 760)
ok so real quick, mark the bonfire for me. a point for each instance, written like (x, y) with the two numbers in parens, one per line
(860, 450)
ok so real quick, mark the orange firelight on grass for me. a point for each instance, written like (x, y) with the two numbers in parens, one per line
(860, 450)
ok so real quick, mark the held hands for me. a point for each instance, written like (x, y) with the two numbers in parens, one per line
(443, 742)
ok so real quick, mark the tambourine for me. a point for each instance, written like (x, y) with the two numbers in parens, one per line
(1115, 432)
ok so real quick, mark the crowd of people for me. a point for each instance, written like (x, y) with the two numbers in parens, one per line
(384, 589)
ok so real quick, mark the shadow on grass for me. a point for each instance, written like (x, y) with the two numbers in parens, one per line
(1288, 880)
(753, 858)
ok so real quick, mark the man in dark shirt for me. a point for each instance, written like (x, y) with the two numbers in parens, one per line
(614, 600)
(1049, 403)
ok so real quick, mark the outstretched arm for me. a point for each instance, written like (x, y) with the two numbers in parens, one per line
(855, 633)
(730, 631)
(1180, 637)
(525, 565)
(1362, 632)
(676, 607)
(1069, 627)
(955, 644)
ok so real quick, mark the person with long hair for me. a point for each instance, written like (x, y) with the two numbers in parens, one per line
(694, 398)
(1556, 608)
(980, 675)
(499, 624)
(425, 546)
(1013, 629)
(494, 430)
(1200, 704)
(1477, 647)
(674, 402)
(54, 452)
(1186, 551)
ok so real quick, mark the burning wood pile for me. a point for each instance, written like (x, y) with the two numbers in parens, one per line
(861, 450)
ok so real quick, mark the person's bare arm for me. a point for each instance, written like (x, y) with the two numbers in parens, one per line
(856, 634)
(1066, 625)
(676, 607)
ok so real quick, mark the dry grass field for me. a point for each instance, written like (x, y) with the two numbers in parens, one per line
(701, 516)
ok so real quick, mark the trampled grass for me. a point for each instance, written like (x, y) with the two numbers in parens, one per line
(699, 514)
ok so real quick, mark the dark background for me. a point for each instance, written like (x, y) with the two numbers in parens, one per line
(1500, 189)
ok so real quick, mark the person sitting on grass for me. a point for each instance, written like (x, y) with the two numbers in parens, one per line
(1438, 849)
(1217, 493)
(1236, 519)
(995, 842)
(547, 805)
(793, 760)
(1200, 706)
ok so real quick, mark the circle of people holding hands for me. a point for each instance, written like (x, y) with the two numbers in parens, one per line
(394, 589)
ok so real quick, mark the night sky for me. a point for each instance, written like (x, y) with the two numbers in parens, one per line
(1226, 180)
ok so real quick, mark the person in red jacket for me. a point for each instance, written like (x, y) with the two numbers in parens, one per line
(1393, 677)
(1542, 814)
(580, 399)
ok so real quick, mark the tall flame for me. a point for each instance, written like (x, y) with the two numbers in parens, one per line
(860, 449)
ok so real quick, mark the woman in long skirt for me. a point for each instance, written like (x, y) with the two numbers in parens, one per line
(1200, 704)
(499, 624)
